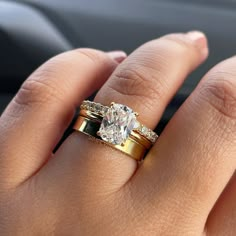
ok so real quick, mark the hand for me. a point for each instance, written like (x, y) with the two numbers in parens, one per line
(183, 187)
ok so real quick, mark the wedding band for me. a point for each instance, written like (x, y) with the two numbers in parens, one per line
(132, 146)
(117, 126)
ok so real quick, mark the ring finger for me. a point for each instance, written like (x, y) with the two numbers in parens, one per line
(145, 81)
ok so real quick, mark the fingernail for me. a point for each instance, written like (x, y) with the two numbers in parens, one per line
(118, 56)
(200, 40)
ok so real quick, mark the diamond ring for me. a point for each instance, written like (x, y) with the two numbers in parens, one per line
(117, 126)
(118, 122)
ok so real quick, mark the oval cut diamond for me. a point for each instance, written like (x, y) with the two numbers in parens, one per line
(117, 124)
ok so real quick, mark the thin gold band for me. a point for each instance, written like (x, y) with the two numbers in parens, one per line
(134, 146)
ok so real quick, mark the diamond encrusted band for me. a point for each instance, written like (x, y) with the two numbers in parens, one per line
(118, 121)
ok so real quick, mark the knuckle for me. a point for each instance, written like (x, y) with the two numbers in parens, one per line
(42, 87)
(138, 82)
(38, 90)
(219, 90)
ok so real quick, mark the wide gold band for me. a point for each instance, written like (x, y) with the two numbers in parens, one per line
(135, 146)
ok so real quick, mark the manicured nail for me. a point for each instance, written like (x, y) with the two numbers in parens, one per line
(118, 56)
(200, 40)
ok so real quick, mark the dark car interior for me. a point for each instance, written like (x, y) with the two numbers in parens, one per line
(32, 31)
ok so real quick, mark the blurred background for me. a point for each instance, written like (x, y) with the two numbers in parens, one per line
(32, 31)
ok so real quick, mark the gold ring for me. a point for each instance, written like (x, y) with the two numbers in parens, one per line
(117, 126)
(132, 147)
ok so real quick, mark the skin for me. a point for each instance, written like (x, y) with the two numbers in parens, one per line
(186, 184)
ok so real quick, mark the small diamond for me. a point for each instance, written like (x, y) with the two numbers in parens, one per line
(144, 130)
(104, 110)
(92, 106)
(137, 126)
(148, 134)
(86, 104)
(98, 107)
(153, 138)
(117, 124)
(83, 105)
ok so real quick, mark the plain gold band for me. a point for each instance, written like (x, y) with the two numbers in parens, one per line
(133, 146)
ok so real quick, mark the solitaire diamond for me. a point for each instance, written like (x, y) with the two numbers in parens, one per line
(117, 124)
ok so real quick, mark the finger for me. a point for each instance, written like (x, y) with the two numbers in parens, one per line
(145, 81)
(195, 156)
(222, 219)
(148, 81)
(35, 120)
